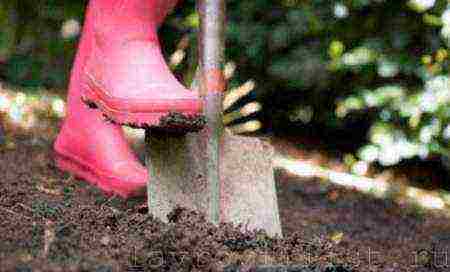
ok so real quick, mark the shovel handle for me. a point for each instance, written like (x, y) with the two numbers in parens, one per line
(211, 45)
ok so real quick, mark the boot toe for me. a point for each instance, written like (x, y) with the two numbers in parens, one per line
(128, 180)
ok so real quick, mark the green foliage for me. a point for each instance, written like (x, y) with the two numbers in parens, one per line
(43, 209)
(385, 62)
(33, 45)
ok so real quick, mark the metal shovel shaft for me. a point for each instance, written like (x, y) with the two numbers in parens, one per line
(211, 44)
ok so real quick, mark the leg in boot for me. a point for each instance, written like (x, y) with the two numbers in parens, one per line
(126, 76)
(91, 148)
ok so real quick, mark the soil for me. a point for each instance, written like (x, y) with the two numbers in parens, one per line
(176, 122)
(50, 221)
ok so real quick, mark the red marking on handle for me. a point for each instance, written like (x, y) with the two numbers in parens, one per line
(215, 81)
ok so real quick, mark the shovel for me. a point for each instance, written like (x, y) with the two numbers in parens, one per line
(226, 176)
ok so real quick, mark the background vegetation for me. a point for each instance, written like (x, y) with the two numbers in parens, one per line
(370, 77)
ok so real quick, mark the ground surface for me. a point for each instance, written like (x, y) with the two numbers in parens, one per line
(50, 221)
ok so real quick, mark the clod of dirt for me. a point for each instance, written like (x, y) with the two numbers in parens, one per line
(176, 122)
(173, 122)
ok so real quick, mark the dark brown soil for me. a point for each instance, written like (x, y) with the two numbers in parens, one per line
(50, 221)
(180, 123)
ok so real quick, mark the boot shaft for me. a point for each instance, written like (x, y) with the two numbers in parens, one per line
(115, 19)
(140, 15)
(75, 105)
(126, 12)
(121, 12)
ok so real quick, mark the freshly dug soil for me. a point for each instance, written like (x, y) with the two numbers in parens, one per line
(179, 123)
(49, 221)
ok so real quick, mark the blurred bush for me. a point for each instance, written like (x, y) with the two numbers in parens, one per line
(375, 70)
(34, 50)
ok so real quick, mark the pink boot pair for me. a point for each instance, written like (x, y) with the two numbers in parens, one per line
(119, 69)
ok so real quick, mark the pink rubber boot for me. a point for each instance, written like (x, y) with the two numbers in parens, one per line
(91, 148)
(126, 76)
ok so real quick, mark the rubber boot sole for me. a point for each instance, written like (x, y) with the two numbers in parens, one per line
(170, 121)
